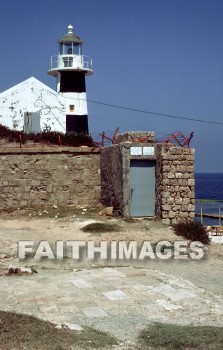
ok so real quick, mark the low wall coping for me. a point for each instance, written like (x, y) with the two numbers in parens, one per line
(43, 150)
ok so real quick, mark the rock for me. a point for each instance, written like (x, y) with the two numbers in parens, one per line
(106, 211)
(58, 326)
(73, 326)
(18, 271)
(3, 256)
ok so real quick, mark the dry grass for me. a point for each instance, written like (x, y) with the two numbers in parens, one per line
(170, 336)
(101, 227)
(29, 333)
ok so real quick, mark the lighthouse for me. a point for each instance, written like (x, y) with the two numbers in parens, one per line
(70, 68)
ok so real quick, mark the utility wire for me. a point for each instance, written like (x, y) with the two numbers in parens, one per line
(159, 139)
(138, 110)
(119, 122)
(139, 127)
(154, 113)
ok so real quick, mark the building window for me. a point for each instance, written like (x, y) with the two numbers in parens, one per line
(68, 61)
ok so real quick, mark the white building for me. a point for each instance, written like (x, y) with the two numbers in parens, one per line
(33, 106)
(27, 98)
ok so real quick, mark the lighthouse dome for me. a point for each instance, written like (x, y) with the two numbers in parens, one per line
(70, 37)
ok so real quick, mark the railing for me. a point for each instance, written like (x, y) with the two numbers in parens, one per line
(71, 61)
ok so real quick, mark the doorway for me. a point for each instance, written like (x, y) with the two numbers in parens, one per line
(142, 187)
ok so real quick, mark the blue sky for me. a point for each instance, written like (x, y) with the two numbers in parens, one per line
(164, 56)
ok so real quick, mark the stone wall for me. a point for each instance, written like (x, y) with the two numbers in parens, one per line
(112, 176)
(49, 176)
(174, 177)
(175, 184)
(44, 176)
(148, 136)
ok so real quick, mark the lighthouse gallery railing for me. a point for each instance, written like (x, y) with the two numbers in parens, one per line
(71, 61)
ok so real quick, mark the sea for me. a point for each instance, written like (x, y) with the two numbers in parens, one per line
(209, 196)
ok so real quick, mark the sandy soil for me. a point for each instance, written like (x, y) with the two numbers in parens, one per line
(65, 224)
(59, 224)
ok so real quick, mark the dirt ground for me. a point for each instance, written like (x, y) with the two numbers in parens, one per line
(65, 224)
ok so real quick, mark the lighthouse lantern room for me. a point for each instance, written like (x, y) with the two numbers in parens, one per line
(70, 68)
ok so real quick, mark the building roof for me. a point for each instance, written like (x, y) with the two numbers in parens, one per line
(32, 95)
(70, 37)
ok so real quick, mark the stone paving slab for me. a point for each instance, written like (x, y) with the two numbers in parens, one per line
(94, 311)
(116, 300)
(116, 295)
(81, 283)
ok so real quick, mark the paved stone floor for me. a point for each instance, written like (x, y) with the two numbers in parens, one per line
(120, 300)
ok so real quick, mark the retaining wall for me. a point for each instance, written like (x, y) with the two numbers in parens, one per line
(49, 176)
(83, 176)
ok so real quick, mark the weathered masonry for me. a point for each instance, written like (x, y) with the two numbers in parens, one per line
(136, 178)
(40, 176)
(149, 179)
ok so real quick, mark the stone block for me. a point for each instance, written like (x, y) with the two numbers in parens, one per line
(178, 175)
(190, 158)
(186, 176)
(23, 203)
(191, 182)
(35, 183)
(166, 207)
(166, 221)
(176, 150)
(165, 214)
(174, 221)
(165, 194)
(174, 182)
(185, 189)
(167, 168)
(183, 215)
(176, 208)
(163, 201)
(176, 162)
(179, 200)
(191, 207)
(128, 136)
(188, 151)
(186, 201)
(172, 214)
(170, 201)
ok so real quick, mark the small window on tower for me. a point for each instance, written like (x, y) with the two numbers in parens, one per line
(68, 61)
(71, 108)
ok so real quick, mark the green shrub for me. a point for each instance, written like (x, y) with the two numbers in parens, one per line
(192, 230)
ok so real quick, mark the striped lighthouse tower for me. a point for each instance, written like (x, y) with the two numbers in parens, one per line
(70, 68)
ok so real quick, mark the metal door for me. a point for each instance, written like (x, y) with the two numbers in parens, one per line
(142, 186)
(32, 122)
